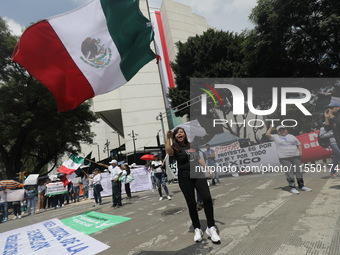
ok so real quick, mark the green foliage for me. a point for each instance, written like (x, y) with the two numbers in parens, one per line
(213, 54)
(294, 38)
(33, 133)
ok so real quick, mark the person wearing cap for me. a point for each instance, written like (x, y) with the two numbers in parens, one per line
(116, 172)
(289, 150)
(332, 118)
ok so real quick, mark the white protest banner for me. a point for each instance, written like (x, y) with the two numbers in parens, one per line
(49, 237)
(257, 158)
(32, 179)
(142, 181)
(55, 188)
(15, 195)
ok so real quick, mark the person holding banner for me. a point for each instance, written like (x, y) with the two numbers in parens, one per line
(289, 150)
(125, 175)
(187, 157)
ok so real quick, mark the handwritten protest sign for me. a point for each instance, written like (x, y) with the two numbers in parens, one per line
(254, 158)
(55, 188)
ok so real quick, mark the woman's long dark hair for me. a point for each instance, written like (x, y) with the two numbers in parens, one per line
(175, 144)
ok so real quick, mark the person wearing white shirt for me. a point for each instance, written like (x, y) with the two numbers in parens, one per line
(115, 172)
(289, 151)
(97, 187)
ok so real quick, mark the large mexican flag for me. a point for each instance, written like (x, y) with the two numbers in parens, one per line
(71, 164)
(88, 51)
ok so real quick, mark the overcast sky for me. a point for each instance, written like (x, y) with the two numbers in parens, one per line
(229, 15)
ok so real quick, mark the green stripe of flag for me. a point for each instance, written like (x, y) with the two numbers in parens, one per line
(76, 159)
(131, 32)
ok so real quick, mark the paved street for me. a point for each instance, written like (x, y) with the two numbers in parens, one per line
(255, 214)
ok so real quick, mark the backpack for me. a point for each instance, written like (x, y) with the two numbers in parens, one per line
(324, 142)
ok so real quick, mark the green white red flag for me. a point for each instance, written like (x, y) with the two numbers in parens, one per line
(71, 165)
(88, 51)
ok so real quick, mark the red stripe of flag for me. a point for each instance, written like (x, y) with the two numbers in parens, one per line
(43, 55)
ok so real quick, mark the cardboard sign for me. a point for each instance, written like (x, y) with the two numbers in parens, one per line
(32, 179)
(15, 195)
(55, 188)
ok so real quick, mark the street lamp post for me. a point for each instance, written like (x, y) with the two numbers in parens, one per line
(98, 150)
(133, 135)
(116, 132)
(106, 148)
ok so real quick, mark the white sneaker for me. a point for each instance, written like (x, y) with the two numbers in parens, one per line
(212, 233)
(304, 188)
(19, 217)
(294, 191)
(161, 198)
(169, 197)
(15, 217)
(198, 235)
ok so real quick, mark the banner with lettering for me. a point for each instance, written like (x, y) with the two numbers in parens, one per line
(92, 222)
(55, 188)
(311, 150)
(49, 237)
(256, 158)
(141, 182)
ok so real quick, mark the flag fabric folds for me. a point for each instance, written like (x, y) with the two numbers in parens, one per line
(71, 165)
(88, 51)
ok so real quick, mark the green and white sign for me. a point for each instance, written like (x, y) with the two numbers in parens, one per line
(92, 222)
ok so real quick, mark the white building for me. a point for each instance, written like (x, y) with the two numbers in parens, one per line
(133, 108)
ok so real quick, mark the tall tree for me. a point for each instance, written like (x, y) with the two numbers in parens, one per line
(214, 54)
(294, 38)
(33, 133)
(210, 55)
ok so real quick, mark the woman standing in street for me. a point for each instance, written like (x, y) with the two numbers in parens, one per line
(97, 187)
(187, 157)
(126, 173)
(159, 173)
